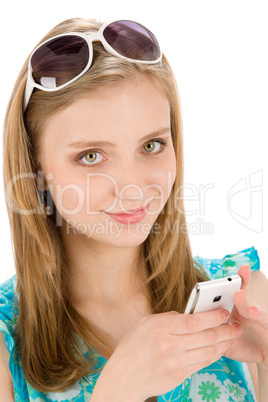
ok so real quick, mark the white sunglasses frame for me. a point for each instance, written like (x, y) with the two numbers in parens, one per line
(89, 38)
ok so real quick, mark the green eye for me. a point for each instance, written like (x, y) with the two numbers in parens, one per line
(91, 156)
(149, 146)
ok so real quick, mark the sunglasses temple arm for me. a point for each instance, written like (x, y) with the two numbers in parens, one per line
(27, 94)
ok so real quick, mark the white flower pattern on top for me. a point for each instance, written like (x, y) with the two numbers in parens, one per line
(238, 393)
(206, 387)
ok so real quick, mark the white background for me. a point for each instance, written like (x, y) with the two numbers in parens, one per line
(218, 51)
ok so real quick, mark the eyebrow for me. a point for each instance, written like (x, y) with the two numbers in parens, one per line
(89, 144)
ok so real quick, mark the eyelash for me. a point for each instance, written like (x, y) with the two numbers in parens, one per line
(158, 140)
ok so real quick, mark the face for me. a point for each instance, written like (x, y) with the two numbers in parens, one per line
(109, 163)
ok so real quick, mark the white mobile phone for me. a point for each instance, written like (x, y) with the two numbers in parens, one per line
(212, 295)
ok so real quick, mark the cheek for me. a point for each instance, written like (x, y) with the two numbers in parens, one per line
(164, 174)
(83, 193)
(67, 192)
(68, 197)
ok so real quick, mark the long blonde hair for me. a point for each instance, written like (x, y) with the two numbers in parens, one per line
(48, 327)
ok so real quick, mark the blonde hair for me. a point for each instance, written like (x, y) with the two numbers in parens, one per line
(48, 327)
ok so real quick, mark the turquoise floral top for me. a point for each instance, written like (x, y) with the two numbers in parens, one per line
(225, 380)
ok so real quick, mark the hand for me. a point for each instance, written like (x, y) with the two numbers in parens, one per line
(252, 345)
(161, 351)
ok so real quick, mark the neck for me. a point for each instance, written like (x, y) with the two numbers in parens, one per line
(101, 273)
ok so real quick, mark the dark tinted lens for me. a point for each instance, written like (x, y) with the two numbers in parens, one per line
(132, 40)
(59, 60)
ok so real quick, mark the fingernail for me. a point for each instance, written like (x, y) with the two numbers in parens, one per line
(256, 311)
(226, 314)
(238, 329)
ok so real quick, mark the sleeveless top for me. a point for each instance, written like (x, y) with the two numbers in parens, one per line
(222, 381)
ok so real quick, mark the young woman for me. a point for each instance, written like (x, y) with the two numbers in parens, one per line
(93, 168)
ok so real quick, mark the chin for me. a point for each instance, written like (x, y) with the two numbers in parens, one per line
(125, 237)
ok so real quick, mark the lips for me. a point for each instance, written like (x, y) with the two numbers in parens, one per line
(130, 217)
(129, 211)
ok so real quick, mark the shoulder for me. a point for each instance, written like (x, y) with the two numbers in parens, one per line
(7, 290)
(6, 382)
(8, 305)
(11, 374)
(229, 264)
(258, 289)
(7, 296)
(8, 312)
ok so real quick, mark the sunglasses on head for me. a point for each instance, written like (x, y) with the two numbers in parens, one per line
(61, 60)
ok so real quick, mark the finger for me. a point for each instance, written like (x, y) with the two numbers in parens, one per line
(212, 336)
(209, 354)
(260, 315)
(193, 323)
(245, 273)
(241, 303)
(256, 313)
(247, 309)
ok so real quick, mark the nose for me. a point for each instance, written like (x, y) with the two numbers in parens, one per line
(131, 182)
